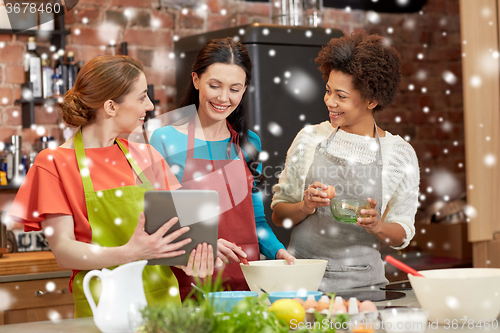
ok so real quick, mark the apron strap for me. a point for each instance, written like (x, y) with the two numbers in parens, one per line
(190, 146)
(324, 144)
(191, 134)
(81, 159)
(235, 140)
(145, 181)
(377, 137)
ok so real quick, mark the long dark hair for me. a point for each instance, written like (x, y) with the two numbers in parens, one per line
(226, 51)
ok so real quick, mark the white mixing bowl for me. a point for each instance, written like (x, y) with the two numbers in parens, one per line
(459, 293)
(277, 275)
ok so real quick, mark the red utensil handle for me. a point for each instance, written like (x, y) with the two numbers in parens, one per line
(398, 264)
(244, 261)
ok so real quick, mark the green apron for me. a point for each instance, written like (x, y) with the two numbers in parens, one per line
(113, 216)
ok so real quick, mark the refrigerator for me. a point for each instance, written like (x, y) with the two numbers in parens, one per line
(285, 94)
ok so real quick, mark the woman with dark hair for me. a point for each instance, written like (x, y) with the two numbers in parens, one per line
(349, 152)
(88, 194)
(214, 150)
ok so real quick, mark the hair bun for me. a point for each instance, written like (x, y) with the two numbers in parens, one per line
(74, 111)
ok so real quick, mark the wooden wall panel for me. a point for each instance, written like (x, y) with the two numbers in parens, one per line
(481, 84)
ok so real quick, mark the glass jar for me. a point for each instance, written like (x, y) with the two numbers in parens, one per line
(313, 13)
(287, 12)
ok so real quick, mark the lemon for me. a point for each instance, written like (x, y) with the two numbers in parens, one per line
(289, 310)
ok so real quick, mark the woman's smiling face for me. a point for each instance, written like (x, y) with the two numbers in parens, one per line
(131, 112)
(221, 88)
(347, 108)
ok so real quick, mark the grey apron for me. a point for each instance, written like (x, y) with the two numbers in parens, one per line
(353, 254)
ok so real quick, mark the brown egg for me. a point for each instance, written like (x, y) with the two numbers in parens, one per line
(338, 307)
(330, 192)
(367, 306)
(323, 303)
(310, 303)
(299, 300)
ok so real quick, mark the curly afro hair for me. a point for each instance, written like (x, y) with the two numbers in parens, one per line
(373, 66)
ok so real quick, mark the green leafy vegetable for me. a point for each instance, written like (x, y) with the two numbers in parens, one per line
(197, 316)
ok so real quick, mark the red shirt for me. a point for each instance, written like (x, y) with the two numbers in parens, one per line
(53, 185)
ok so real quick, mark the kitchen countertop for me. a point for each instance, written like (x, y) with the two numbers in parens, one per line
(37, 276)
(24, 266)
(86, 325)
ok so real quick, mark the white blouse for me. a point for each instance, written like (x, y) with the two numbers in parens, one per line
(400, 171)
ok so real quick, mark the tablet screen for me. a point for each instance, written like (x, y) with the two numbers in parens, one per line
(198, 209)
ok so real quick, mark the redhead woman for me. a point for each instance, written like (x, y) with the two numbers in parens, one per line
(87, 194)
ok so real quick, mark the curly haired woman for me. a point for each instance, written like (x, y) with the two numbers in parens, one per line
(358, 158)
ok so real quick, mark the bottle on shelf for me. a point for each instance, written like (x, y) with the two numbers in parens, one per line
(58, 85)
(3, 178)
(3, 164)
(124, 48)
(61, 72)
(47, 77)
(6, 163)
(17, 169)
(79, 64)
(72, 69)
(33, 68)
(10, 162)
(31, 160)
(45, 142)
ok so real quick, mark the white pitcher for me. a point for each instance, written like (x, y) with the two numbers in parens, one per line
(122, 291)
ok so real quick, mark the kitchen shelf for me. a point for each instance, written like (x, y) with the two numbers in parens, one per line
(28, 106)
(57, 39)
(38, 101)
(34, 32)
(57, 36)
(9, 188)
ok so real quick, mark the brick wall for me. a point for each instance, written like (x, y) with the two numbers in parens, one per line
(428, 111)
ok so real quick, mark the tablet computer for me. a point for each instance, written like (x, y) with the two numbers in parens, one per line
(198, 209)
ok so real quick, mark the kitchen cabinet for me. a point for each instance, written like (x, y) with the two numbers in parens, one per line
(480, 32)
(33, 288)
(36, 300)
(448, 240)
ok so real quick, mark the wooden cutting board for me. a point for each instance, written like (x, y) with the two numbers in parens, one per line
(28, 263)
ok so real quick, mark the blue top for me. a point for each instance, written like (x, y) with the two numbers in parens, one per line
(172, 145)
